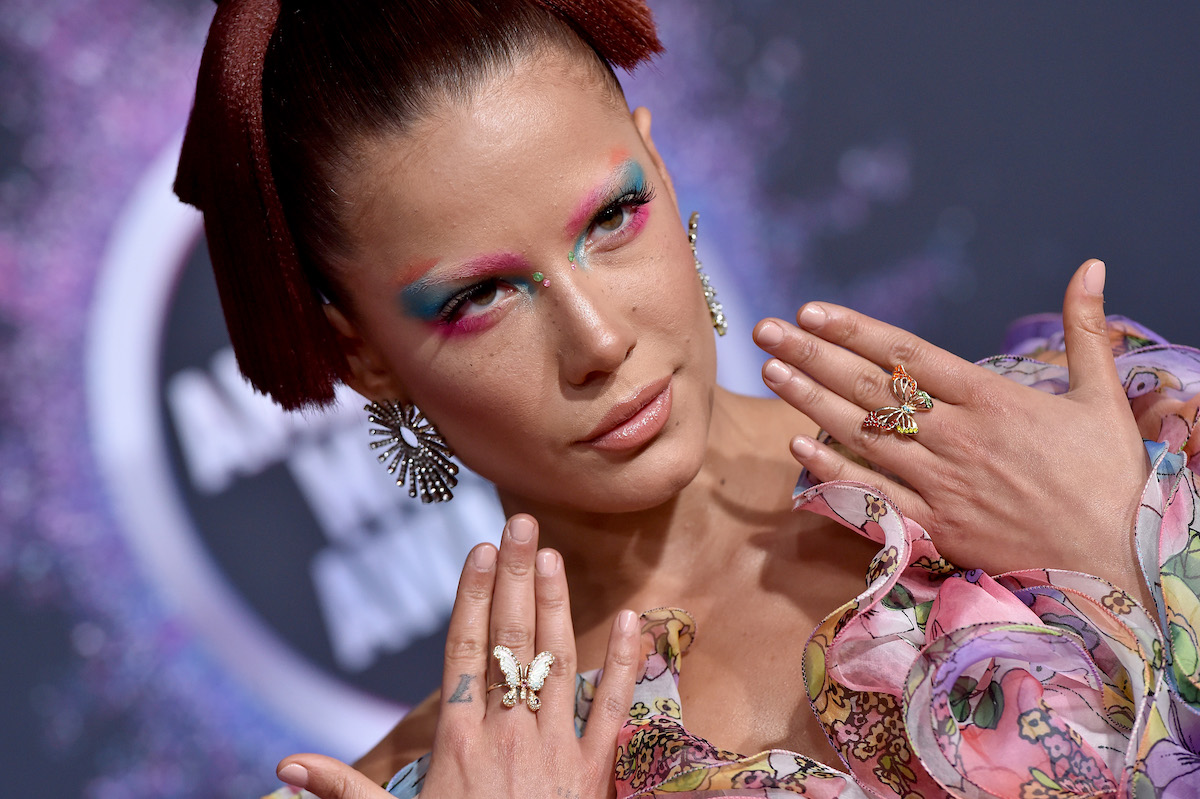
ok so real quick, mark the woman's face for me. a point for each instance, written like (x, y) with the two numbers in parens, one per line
(521, 274)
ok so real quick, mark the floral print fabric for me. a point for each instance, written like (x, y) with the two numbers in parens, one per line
(941, 681)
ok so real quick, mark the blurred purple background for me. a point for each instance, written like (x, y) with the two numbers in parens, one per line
(187, 591)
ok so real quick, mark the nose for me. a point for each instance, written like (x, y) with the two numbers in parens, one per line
(596, 333)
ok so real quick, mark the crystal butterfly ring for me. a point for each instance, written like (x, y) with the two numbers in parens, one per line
(900, 419)
(522, 682)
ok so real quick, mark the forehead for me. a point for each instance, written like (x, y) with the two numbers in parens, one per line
(527, 145)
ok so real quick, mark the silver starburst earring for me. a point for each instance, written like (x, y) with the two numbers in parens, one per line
(416, 449)
(710, 294)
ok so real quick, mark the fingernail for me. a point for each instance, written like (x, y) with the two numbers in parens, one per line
(625, 620)
(776, 372)
(1093, 278)
(803, 447)
(294, 774)
(483, 557)
(769, 334)
(520, 530)
(547, 563)
(812, 316)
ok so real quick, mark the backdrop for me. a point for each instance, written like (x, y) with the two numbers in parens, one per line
(193, 585)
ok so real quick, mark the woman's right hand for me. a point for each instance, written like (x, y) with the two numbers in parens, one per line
(516, 597)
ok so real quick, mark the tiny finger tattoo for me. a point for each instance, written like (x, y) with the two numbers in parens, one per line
(461, 695)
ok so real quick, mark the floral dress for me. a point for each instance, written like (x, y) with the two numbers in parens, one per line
(940, 681)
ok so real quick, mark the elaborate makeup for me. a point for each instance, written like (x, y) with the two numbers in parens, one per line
(458, 300)
(617, 208)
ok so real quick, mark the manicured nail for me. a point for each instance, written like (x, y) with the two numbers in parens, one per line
(294, 774)
(812, 316)
(803, 447)
(626, 620)
(483, 558)
(1093, 278)
(547, 563)
(520, 530)
(769, 334)
(776, 372)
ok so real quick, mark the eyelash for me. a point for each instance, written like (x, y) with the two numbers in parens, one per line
(638, 197)
(452, 306)
(635, 198)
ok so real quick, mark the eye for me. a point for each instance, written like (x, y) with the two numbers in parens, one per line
(477, 299)
(618, 214)
(611, 219)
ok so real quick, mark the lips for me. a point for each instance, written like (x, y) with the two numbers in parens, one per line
(634, 421)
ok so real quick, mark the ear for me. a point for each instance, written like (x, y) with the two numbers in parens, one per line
(641, 121)
(369, 374)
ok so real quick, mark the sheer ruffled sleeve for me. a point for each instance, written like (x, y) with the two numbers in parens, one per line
(1035, 683)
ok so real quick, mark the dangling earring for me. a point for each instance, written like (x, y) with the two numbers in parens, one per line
(416, 448)
(710, 294)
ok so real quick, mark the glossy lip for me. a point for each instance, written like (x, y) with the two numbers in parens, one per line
(634, 421)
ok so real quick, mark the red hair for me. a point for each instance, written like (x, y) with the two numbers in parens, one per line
(279, 102)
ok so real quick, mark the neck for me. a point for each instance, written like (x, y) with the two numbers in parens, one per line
(686, 542)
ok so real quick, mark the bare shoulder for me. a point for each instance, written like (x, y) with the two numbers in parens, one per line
(408, 740)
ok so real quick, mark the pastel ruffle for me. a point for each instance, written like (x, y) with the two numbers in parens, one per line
(941, 681)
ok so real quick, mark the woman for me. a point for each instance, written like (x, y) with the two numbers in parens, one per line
(449, 206)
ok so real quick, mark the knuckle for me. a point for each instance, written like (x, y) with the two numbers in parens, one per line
(612, 708)
(555, 603)
(863, 441)
(465, 648)
(563, 666)
(804, 350)
(904, 350)
(518, 567)
(805, 392)
(868, 389)
(475, 594)
(513, 635)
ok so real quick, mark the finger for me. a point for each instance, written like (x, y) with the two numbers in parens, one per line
(513, 613)
(555, 634)
(843, 420)
(614, 694)
(855, 378)
(464, 675)
(1090, 361)
(940, 372)
(328, 778)
(825, 464)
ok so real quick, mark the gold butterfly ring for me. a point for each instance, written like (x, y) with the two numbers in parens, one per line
(522, 682)
(900, 419)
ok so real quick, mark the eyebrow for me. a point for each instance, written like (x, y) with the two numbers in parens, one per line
(597, 195)
(479, 266)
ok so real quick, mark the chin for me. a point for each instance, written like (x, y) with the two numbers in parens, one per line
(652, 479)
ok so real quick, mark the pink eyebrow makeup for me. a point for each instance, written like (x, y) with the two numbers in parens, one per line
(627, 179)
(599, 194)
(425, 297)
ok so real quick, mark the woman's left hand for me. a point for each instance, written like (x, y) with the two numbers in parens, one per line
(1003, 476)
